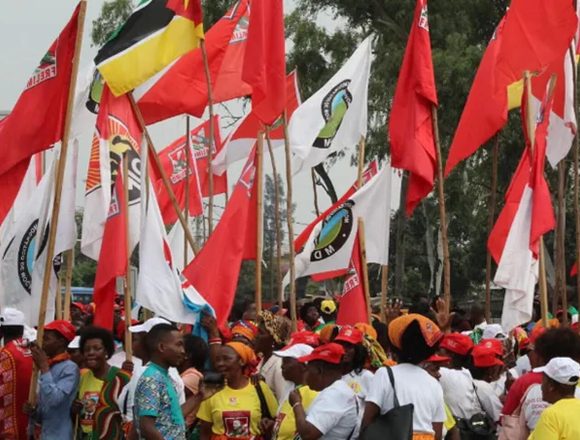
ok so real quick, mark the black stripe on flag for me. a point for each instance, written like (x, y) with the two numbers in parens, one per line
(139, 25)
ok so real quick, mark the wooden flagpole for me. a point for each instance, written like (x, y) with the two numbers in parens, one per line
(186, 205)
(153, 154)
(561, 242)
(442, 212)
(211, 134)
(364, 268)
(127, 284)
(290, 223)
(384, 291)
(48, 267)
(276, 220)
(70, 261)
(576, 183)
(260, 219)
(361, 161)
(490, 220)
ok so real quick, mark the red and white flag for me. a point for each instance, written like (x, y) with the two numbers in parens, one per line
(215, 270)
(515, 239)
(37, 120)
(241, 140)
(353, 308)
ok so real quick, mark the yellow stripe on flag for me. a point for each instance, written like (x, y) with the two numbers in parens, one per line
(130, 68)
(515, 91)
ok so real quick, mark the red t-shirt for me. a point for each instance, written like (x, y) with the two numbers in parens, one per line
(518, 389)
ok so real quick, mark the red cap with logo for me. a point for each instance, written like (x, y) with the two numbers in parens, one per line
(348, 333)
(457, 343)
(305, 337)
(331, 353)
(484, 356)
(492, 344)
(437, 359)
(64, 328)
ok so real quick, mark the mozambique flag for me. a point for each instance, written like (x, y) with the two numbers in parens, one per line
(157, 33)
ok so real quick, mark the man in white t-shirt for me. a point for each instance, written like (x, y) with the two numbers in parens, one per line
(335, 413)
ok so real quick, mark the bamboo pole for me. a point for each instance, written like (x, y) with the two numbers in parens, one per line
(70, 261)
(361, 162)
(490, 220)
(211, 134)
(364, 268)
(57, 197)
(384, 291)
(576, 183)
(186, 204)
(153, 154)
(260, 219)
(289, 222)
(442, 213)
(127, 284)
(276, 220)
(561, 241)
(316, 207)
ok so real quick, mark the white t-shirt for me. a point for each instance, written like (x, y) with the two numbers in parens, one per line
(459, 393)
(534, 405)
(360, 383)
(413, 385)
(335, 412)
(489, 399)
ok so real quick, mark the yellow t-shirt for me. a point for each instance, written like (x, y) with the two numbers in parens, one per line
(560, 421)
(236, 413)
(285, 427)
(89, 391)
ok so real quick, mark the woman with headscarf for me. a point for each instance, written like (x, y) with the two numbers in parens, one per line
(273, 334)
(414, 339)
(236, 411)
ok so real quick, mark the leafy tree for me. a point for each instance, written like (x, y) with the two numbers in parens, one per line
(113, 15)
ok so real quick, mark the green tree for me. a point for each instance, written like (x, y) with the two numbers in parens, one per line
(113, 15)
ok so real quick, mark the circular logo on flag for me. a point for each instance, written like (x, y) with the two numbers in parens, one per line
(334, 106)
(336, 229)
(28, 249)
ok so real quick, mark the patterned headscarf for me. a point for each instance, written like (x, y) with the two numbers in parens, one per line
(431, 333)
(247, 356)
(247, 329)
(277, 326)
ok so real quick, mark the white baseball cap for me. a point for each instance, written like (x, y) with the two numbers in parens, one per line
(563, 370)
(11, 316)
(148, 325)
(493, 331)
(294, 351)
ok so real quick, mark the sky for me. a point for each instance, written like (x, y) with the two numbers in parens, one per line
(27, 29)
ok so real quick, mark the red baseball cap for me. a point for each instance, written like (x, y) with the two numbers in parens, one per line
(305, 337)
(437, 359)
(348, 333)
(457, 343)
(64, 328)
(331, 353)
(492, 344)
(484, 356)
(78, 305)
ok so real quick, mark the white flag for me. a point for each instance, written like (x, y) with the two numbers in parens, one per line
(329, 246)
(334, 117)
(176, 240)
(517, 271)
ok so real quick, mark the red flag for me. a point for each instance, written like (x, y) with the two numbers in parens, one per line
(532, 34)
(37, 120)
(182, 87)
(215, 270)
(265, 60)
(411, 122)
(112, 259)
(174, 162)
(352, 303)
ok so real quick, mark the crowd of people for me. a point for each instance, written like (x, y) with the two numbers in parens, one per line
(421, 373)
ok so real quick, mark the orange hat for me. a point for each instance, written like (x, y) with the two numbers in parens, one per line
(348, 333)
(493, 344)
(62, 327)
(326, 333)
(305, 337)
(431, 333)
(485, 356)
(246, 354)
(246, 329)
(331, 353)
(367, 329)
(457, 343)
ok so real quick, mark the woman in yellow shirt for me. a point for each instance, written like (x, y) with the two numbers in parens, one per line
(236, 412)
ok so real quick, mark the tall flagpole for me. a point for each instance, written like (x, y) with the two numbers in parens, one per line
(153, 154)
(186, 203)
(276, 220)
(490, 220)
(442, 213)
(127, 284)
(576, 179)
(48, 267)
(290, 222)
(561, 241)
(211, 134)
(260, 219)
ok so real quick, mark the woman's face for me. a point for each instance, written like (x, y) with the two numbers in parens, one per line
(312, 315)
(95, 354)
(228, 363)
(313, 378)
(292, 370)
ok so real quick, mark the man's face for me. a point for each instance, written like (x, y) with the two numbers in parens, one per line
(51, 343)
(173, 349)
